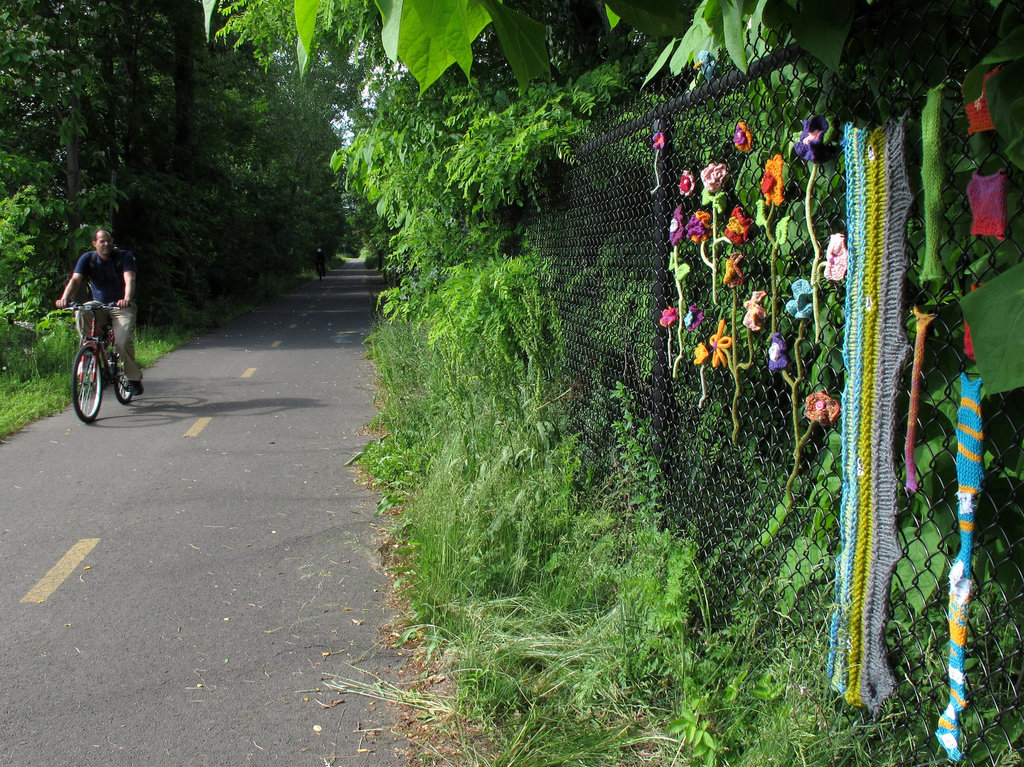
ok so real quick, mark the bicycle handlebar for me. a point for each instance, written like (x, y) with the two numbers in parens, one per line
(74, 306)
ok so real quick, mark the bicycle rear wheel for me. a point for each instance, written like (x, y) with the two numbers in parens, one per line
(122, 390)
(87, 384)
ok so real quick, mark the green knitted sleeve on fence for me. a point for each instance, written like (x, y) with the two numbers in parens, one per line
(933, 173)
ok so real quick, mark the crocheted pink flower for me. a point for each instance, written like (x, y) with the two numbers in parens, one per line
(714, 176)
(742, 137)
(821, 408)
(835, 267)
(676, 230)
(659, 140)
(698, 228)
(754, 317)
(738, 228)
(669, 317)
(687, 184)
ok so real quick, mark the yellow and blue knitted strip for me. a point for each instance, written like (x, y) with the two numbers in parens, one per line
(969, 474)
(876, 678)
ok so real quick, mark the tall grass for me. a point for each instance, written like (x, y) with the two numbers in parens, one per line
(574, 624)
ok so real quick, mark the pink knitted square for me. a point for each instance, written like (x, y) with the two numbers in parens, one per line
(987, 195)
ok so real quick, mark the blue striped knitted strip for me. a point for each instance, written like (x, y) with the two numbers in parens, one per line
(969, 474)
(854, 143)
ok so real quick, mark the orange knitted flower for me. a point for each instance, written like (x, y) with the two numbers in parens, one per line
(733, 276)
(742, 137)
(720, 342)
(771, 183)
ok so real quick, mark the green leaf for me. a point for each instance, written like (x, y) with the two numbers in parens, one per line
(1005, 97)
(438, 33)
(735, 37)
(995, 312)
(821, 29)
(652, 17)
(337, 160)
(523, 40)
(208, 8)
(613, 18)
(391, 16)
(662, 60)
(305, 23)
(697, 38)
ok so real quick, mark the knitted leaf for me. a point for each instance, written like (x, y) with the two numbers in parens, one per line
(995, 312)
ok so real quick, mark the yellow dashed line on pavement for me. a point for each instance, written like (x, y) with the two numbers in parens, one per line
(292, 326)
(248, 373)
(60, 571)
(275, 344)
(197, 427)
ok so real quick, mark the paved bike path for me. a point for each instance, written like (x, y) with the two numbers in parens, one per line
(232, 564)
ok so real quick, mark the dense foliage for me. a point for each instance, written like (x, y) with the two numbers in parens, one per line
(209, 165)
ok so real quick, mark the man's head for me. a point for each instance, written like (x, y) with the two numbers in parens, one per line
(103, 242)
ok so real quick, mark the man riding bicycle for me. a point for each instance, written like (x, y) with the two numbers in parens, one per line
(111, 274)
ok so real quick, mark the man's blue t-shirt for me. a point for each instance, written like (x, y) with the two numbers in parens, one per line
(106, 277)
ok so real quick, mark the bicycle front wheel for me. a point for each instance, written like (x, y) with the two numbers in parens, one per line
(87, 384)
(122, 390)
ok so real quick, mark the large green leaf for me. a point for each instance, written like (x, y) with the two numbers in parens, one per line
(652, 17)
(995, 312)
(391, 16)
(821, 28)
(305, 25)
(1005, 96)
(523, 41)
(208, 8)
(438, 33)
(735, 33)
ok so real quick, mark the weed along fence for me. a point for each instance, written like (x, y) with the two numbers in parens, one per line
(775, 266)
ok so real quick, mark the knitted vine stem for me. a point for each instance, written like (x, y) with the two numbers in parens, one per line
(794, 387)
(923, 321)
(679, 322)
(816, 265)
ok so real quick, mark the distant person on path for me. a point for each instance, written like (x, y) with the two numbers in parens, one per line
(111, 274)
(321, 263)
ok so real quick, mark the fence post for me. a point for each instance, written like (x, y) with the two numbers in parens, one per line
(661, 215)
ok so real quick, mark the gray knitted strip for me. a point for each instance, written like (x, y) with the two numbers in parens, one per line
(877, 681)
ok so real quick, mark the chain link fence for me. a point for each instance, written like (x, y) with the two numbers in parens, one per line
(744, 473)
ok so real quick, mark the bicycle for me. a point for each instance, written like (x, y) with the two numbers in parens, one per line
(96, 364)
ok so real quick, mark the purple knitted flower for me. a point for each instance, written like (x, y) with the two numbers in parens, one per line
(777, 359)
(694, 316)
(811, 146)
(697, 227)
(676, 230)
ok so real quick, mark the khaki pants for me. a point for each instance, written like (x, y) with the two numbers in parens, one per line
(124, 333)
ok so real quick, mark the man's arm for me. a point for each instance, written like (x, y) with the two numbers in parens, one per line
(72, 287)
(129, 289)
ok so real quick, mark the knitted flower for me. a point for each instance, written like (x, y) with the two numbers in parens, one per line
(687, 184)
(698, 228)
(706, 63)
(659, 140)
(700, 355)
(742, 137)
(676, 231)
(754, 317)
(802, 305)
(811, 146)
(720, 343)
(713, 177)
(738, 228)
(777, 359)
(771, 182)
(694, 316)
(669, 317)
(835, 267)
(733, 276)
(821, 408)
